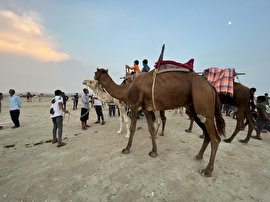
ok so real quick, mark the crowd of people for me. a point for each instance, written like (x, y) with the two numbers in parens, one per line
(259, 108)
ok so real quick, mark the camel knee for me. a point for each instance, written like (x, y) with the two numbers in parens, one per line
(202, 118)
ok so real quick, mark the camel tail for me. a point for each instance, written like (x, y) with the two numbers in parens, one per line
(220, 123)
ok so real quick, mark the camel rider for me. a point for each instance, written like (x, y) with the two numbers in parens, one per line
(135, 68)
(145, 68)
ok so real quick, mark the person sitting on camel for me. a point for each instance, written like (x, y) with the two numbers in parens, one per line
(135, 68)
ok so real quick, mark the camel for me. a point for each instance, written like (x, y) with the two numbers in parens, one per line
(32, 97)
(240, 103)
(169, 91)
(106, 97)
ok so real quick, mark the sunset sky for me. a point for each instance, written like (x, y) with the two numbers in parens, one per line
(47, 45)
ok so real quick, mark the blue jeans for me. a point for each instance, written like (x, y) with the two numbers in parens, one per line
(57, 125)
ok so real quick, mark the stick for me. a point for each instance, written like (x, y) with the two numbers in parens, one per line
(236, 74)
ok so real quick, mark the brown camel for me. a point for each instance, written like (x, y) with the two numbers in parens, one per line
(240, 103)
(156, 116)
(171, 90)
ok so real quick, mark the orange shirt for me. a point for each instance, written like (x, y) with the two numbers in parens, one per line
(135, 68)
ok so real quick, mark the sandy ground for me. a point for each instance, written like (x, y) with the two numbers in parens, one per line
(91, 166)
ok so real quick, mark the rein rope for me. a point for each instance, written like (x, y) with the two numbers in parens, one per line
(85, 113)
(68, 117)
(153, 89)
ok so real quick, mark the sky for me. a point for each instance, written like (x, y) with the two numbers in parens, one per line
(47, 44)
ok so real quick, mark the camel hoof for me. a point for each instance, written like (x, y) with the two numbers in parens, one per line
(127, 136)
(125, 151)
(198, 157)
(206, 173)
(119, 132)
(243, 141)
(188, 131)
(161, 134)
(153, 154)
(227, 140)
(201, 136)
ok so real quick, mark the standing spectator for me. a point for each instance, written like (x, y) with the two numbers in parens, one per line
(267, 98)
(85, 109)
(57, 112)
(145, 68)
(111, 107)
(251, 99)
(263, 117)
(1, 98)
(98, 107)
(14, 107)
(65, 99)
(75, 101)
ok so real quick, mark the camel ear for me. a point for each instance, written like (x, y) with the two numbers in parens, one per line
(97, 68)
(106, 70)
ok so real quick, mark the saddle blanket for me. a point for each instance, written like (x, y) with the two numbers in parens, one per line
(169, 65)
(221, 79)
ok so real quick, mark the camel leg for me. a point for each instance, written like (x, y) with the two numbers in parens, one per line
(191, 114)
(206, 140)
(123, 118)
(239, 121)
(215, 140)
(157, 121)
(126, 119)
(251, 126)
(121, 123)
(163, 119)
(189, 130)
(236, 131)
(151, 129)
(134, 114)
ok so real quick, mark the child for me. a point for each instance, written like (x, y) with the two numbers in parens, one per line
(135, 68)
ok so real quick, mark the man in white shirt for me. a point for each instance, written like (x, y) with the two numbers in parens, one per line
(98, 107)
(85, 109)
(57, 112)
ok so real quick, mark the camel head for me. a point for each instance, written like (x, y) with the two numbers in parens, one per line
(91, 84)
(99, 72)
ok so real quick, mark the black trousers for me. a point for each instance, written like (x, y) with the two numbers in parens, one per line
(14, 114)
(112, 110)
(99, 113)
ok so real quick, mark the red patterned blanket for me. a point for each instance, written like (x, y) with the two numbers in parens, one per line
(172, 65)
(221, 79)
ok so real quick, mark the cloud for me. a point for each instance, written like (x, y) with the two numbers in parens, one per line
(24, 34)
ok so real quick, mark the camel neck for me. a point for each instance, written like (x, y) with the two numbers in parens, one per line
(115, 90)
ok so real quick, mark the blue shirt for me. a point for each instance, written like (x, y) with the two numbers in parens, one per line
(14, 102)
(145, 68)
